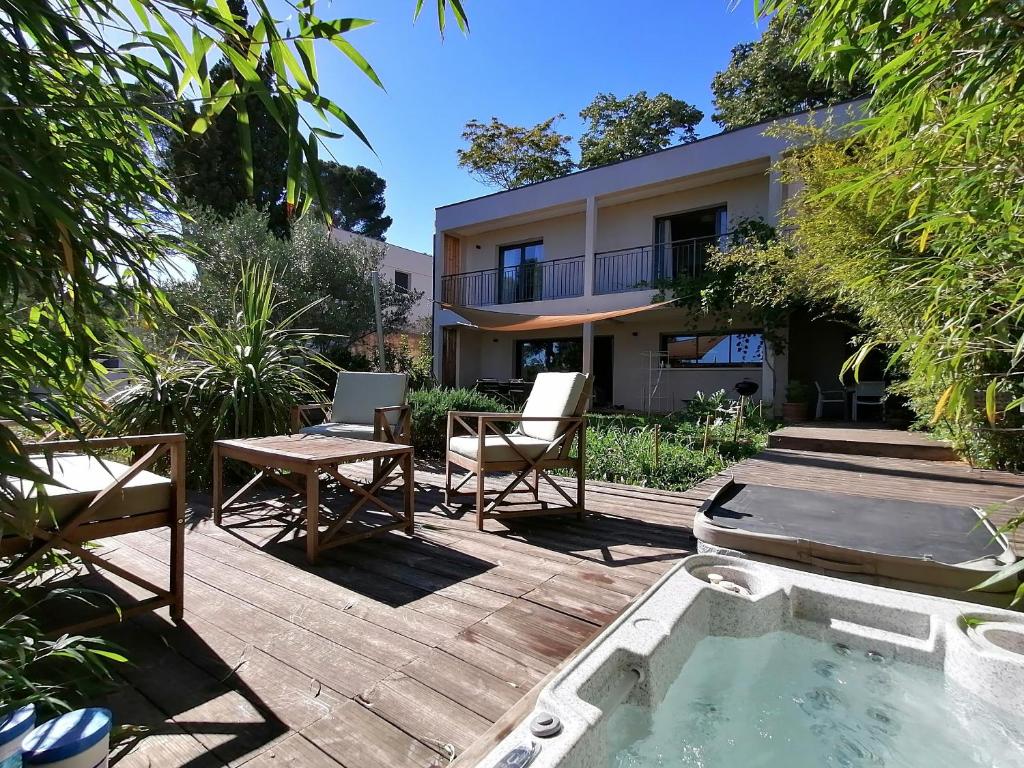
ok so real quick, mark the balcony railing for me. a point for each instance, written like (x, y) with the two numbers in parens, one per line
(533, 281)
(640, 268)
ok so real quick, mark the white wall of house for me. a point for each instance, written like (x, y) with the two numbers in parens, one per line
(418, 265)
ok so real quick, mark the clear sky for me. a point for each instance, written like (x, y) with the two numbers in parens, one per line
(523, 61)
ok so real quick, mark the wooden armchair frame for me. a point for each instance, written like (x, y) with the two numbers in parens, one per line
(82, 526)
(557, 456)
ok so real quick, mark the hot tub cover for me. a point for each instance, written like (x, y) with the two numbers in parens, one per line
(938, 544)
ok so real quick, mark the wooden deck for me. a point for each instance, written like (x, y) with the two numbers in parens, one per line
(861, 439)
(404, 652)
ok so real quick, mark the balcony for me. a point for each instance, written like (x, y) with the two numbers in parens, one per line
(627, 269)
(532, 281)
(639, 268)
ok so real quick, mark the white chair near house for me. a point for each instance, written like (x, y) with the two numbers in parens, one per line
(870, 394)
(552, 421)
(366, 406)
(829, 397)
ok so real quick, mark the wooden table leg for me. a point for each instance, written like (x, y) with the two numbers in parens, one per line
(312, 514)
(218, 484)
(410, 490)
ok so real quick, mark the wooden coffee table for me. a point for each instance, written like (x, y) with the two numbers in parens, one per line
(297, 461)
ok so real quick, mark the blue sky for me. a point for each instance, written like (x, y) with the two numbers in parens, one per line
(523, 61)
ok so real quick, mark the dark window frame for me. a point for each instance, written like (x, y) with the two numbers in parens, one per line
(548, 354)
(526, 285)
(664, 339)
(407, 288)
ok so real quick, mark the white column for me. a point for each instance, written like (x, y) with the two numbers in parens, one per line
(588, 348)
(590, 243)
(775, 198)
(436, 294)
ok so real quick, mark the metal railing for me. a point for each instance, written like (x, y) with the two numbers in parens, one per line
(532, 281)
(640, 268)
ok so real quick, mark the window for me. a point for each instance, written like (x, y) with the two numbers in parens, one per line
(403, 282)
(519, 272)
(744, 348)
(537, 355)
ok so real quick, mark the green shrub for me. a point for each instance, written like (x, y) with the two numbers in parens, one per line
(621, 449)
(238, 378)
(430, 414)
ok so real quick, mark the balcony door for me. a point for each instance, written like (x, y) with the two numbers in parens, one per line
(681, 241)
(520, 272)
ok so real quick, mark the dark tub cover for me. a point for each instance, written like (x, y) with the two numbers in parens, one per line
(938, 544)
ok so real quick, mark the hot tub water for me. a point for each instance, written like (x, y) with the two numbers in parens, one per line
(785, 700)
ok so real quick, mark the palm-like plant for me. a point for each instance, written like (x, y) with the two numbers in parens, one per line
(222, 380)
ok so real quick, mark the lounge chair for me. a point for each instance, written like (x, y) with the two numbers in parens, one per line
(367, 406)
(829, 397)
(871, 394)
(553, 419)
(93, 498)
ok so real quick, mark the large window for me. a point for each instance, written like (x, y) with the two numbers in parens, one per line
(743, 348)
(537, 355)
(519, 273)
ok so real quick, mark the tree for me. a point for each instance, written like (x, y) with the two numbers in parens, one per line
(942, 174)
(207, 168)
(311, 267)
(618, 129)
(354, 199)
(509, 156)
(765, 80)
(84, 203)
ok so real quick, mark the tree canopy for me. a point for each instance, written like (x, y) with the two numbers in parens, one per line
(765, 79)
(509, 156)
(618, 129)
(353, 198)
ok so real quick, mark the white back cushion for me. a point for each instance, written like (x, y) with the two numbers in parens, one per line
(357, 394)
(553, 394)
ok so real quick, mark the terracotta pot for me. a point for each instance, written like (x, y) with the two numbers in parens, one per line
(795, 411)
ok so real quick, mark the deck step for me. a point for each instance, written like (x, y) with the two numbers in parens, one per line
(889, 443)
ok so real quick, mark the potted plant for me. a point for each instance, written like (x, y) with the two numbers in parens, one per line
(796, 407)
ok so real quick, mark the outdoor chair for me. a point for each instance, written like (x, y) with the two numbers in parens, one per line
(92, 498)
(553, 419)
(871, 394)
(367, 406)
(829, 397)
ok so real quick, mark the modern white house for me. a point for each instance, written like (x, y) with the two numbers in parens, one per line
(532, 266)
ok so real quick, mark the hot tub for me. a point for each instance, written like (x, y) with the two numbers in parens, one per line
(729, 662)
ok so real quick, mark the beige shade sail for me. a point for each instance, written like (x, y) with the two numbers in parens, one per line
(487, 320)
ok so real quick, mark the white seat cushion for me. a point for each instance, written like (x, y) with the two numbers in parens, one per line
(333, 429)
(496, 449)
(82, 477)
(358, 394)
(553, 394)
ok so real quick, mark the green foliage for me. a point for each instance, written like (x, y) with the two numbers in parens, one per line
(311, 267)
(621, 449)
(430, 415)
(52, 673)
(618, 129)
(938, 170)
(765, 80)
(354, 199)
(509, 156)
(704, 405)
(417, 363)
(234, 378)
